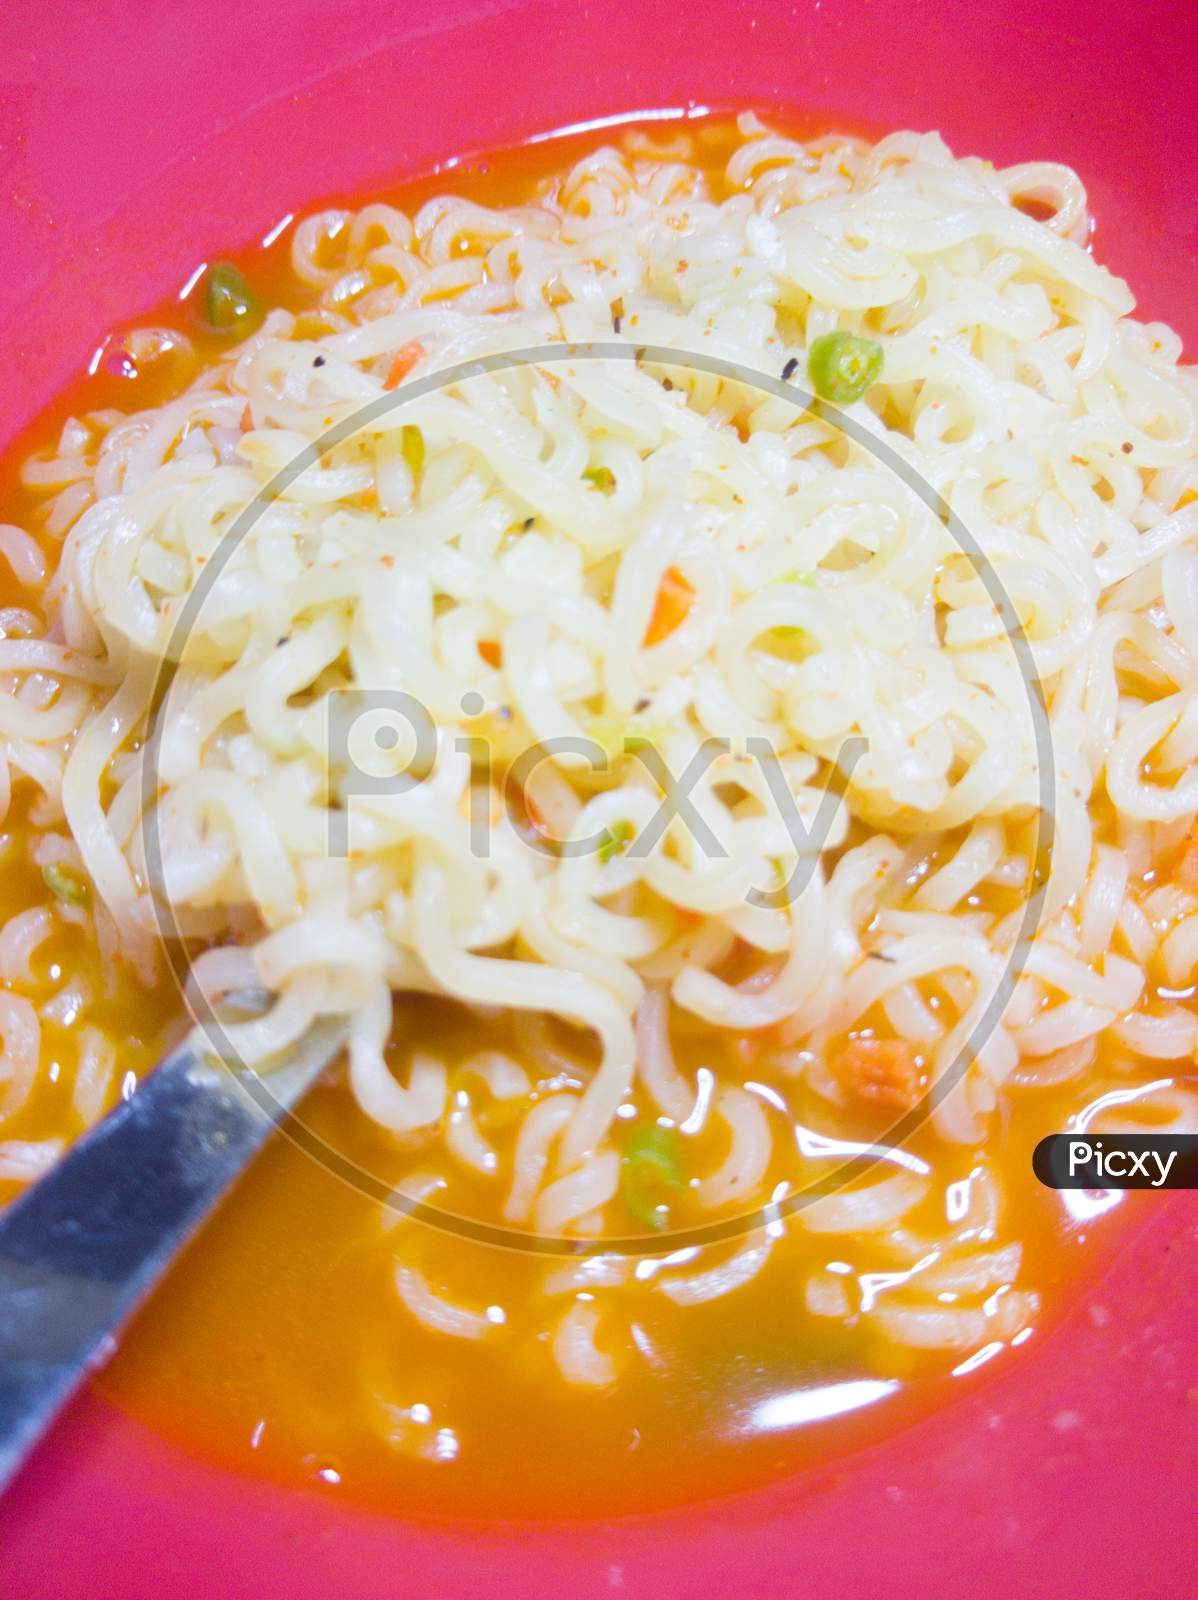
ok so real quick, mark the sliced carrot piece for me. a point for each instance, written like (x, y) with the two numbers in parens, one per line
(1187, 866)
(404, 360)
(1187, 499)
(1032, 206)
(674, 599)
(532, 812)
(881, 1072)
(745, 1050)
(491, 651)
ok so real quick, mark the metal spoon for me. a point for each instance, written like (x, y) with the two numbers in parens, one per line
(82, 1248)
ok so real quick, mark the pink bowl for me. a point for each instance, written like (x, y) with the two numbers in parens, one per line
(137, 138)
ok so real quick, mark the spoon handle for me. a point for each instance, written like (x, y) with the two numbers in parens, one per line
(82, 1248)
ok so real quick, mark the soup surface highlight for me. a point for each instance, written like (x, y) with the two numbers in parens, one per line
(770, 1023)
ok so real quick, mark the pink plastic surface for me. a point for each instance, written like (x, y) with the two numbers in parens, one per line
(138, 137)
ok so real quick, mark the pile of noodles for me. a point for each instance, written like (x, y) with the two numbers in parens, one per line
(551, 500)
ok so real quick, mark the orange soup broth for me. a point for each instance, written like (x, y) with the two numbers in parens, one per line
(277, 1344)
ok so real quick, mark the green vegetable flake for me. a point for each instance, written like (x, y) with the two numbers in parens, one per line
(841, 366)
(602, 477)
(652, 1161)
(412, 446)
(623, 736)
(614, 840)
(65, 885)
(790, 633)
(230, 305)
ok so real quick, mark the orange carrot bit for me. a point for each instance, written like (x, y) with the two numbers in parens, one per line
(247, 420)
(535, 817)
(1187, 499)
(880, 1072)
(491, 651)
(1032, 206)
(404, 360)
(1187, 865)
(745, 1049)
(674, 599)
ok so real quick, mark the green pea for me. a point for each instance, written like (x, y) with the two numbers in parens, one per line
(652, 1161)
(841, 366)
(230, 305)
